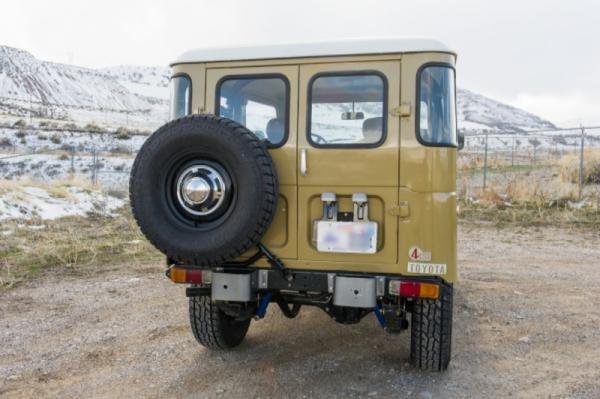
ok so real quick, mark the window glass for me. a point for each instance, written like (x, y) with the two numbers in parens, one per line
(437, 107)
(260, 104)
(347, 110)
(180, 96)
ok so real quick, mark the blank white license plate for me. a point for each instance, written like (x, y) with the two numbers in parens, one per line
(347, 237)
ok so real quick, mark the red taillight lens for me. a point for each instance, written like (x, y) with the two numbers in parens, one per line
(408, 288)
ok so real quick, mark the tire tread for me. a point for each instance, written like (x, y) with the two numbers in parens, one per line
(431, 331)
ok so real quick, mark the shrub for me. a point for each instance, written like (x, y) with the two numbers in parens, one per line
(120, 150)
(122, 134)
(92, 127)
(42, 136)
(569, 167)
(5, 142)
(21, 133)
(55, 138)
(20, 123)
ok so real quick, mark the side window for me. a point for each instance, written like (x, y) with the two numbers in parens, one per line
(260, 103)
(181, 96)
(436, 112)
(347, 110)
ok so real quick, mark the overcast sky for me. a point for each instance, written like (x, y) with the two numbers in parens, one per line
(541, 55)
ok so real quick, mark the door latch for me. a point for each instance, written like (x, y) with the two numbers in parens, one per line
(403, 110)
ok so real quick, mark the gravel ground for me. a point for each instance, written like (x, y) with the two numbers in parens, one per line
(527, 324)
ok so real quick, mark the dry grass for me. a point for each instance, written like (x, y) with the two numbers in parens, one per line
(528, 202)
(70, 245)
(477, 162)
(532, 190)
(528, 214)
(56, 188)
(569, 167)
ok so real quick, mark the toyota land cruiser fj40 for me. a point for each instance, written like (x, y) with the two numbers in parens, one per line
(315, 174)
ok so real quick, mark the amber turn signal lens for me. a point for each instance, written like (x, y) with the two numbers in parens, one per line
(177, 275)
(429, 291)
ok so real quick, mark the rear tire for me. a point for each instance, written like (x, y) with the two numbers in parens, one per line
(214, 329)
(431, 331)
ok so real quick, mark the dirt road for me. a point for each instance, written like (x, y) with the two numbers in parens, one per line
(527, 324)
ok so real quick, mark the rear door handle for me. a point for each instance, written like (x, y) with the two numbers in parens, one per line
(303, 165)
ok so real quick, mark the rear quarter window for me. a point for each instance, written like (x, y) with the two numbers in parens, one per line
(181, 96)
(436, 106)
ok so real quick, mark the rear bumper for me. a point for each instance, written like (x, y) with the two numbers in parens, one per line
(360, 290)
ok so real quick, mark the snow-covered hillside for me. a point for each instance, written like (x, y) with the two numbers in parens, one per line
(137, 96)
(150, 82)
(480, 113)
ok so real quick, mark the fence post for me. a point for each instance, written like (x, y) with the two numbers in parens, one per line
(512, 153)
(72, 151)
(485, 156)
(581, 164)
(94, 171)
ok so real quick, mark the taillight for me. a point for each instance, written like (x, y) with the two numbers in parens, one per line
(414, 289)
(189, 276)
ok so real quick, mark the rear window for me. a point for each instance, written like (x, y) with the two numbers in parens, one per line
(436, 113)
(347, 110)
(181, 90)
(259, 103)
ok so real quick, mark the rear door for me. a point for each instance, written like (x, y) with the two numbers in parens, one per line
(264, 99)
(349, 143)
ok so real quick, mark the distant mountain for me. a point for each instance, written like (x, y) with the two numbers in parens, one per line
(480, 113)
(109, 96)
(138, 96)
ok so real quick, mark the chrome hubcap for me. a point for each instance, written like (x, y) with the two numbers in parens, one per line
(195, 190)
(200, 190)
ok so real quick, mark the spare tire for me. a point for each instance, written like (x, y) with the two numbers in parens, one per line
(203, 190)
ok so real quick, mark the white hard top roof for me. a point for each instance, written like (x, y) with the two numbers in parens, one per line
(314, 49)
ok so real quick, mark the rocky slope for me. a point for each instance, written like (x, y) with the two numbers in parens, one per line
(59, 91)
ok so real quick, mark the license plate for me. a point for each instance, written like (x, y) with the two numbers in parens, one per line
(347, 237)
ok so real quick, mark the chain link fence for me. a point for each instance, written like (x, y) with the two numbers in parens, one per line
(560, 162)
(102, 158)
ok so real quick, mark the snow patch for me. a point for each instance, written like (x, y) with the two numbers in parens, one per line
(35, 202)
